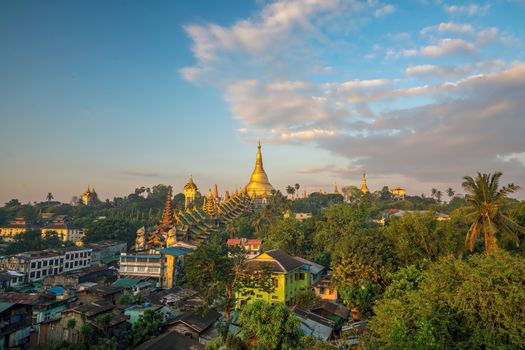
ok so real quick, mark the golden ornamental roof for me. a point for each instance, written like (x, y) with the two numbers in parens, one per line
(259, 185)
(190, 185)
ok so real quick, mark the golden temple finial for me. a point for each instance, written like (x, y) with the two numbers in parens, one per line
(259, 185)
(364, 187)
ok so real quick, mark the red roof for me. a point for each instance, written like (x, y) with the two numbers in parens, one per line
(254, 242)
(233, 241)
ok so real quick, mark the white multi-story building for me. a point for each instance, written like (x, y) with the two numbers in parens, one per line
(65, 231)
(38, 264)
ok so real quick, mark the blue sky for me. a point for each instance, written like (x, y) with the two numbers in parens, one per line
(120, 94)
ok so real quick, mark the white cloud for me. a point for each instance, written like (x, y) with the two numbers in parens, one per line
(448, 27)
(513, 157)
(384, 10)
(470, 10)
(487, 36)
(448, 47)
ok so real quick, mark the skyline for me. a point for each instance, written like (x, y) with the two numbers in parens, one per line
(123, 95)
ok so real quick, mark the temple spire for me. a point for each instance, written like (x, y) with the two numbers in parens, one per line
(167, 216)
(259, 184)
(364, 187)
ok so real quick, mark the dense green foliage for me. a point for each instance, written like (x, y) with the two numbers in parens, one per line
(33, 240)
(477, 303)
(269, 326)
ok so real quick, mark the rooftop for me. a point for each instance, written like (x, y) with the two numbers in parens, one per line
(170, 341)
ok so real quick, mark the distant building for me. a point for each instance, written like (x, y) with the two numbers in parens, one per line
(190, 193)
(398, 193)
(36, 265)
(259, 187)
(251, 247)
(89, 197)
(10, 279)
(66, 232)
(17, 226)
(105, 250)
(364, 187)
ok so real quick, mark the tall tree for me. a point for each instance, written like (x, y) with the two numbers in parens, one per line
(49, 197)
(290, 190)
(485, 212)
(297, 187)
(450, 192)
(433, 192)
(439, 195)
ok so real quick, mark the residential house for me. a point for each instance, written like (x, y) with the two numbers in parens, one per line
(197, 326)
(325, 288)
(316, 270)
(250, 247)
(72, 279)
(171, 340)
(15, 325)
(289, 277)
(103, 251)
(315, 325)
(10, 279)
(108, 294)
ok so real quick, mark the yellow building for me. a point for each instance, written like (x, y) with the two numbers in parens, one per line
(66, 232)
(259, 186)
(190, 192)
(290, 276)
(17, 226)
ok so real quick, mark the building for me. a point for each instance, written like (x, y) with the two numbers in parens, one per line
(74, 279)
(289, 277)
(65, 231)
(259, 187)
(250, 247)
(197, 326)
(90, 196)
(325, 289)
(15, 325)
(10, 279)
(105, 250)
(171, 340)
(36, 265)
(398, 193)
(108, 294)
(17, 226)
(190, 193)
(68, 327)
(162, 264)
(316, 270)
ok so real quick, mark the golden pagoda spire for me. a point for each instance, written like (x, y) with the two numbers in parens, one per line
(215, 192)
(336, 191)
(364, 187)
(259, 184)
(167, 216)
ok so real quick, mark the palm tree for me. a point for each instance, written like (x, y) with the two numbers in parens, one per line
(450, 192)
(433, 192)
(49, 197)
(485, 200)
(439, 195)
(290, 190)
(297, 187)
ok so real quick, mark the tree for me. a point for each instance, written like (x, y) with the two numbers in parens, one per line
(297, 187)
(290, 190)
(439, 195)
(125, 299)
(307, 300)
(287, 235)
(117, 229)
(485, 211)
(433, 192)
(450, 192)
(147, 326)
(456, 304)
(268, 326)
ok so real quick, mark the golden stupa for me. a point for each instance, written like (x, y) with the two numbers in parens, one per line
(259, 185)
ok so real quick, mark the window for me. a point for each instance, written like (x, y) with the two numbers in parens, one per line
(56, 261)
(38, 274)
(61, 261)
(259, 296)
(275, 297)
(67, 265)
(275, 282)
(39, 265)
(76, 263)
(44, 272)
(33, 265)
(44, 263)
(301, 276)
(32, 274)
(76, 255)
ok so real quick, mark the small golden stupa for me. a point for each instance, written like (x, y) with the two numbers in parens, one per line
(259, 185)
